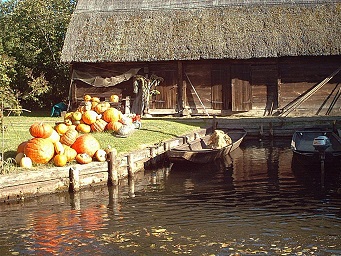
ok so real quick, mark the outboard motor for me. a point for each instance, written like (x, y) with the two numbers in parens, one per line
(321, 143)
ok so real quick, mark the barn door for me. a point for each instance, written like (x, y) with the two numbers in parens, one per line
(217, 90)
(168, 94)
(241, 89)
(221, 87)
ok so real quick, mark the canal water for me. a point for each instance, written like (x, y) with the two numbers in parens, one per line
(253, 203)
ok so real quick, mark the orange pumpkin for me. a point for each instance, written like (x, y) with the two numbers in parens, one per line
(70, 153)
(114, 126)
(114, 98)
(41, 130)
(21, 147)
(86, 143)
(83, 128)
(112, 115)
(60, 160)
(89, 117)
(39, 150)
(100, 155)
(101, 107)
(87, 97)
(95, 99)
(83, 158)
(76, 116)
(93, 105)
(99, 125)
(69, 137)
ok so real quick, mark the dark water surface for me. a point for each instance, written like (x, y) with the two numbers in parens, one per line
(259, 206)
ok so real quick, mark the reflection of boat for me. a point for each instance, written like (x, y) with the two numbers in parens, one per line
(305, 146)
(198, 152)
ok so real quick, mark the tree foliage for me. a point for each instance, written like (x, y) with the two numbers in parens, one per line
(33, 36)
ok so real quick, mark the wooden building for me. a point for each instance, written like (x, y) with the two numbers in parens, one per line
(220, 57)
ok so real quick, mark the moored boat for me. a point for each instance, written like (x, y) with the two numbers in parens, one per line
(199, 152)
(309, 145)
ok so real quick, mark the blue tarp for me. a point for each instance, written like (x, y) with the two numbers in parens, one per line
(58, 108)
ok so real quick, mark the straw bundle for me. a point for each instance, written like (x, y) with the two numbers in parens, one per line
(219, 139)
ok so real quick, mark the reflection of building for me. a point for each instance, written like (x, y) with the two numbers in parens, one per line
(263, 162)
(219, 56)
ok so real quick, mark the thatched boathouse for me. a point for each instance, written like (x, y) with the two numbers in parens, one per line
(218, 57)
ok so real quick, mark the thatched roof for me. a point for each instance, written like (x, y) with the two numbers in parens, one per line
(152, 30)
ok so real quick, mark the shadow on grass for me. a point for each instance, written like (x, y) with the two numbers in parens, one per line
(37, 113)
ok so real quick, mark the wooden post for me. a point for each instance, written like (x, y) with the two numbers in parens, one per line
(75, 201)
(152, 156)
(74, 180)
(184, 139)
(130, 165)
(112, 170)
(261, 131)
(215, 123)
(180, 106)
(271, 130)
(166, 146)
(131, 183)
(113, 197)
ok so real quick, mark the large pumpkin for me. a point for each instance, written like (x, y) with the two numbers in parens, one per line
(21, 147)
(89, 117)
(39, 150)
(86, 143)
(41, 130)
(112, 115)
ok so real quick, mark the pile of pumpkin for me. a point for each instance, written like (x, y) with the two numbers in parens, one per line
(71, 139)
(98, 116)
(60, 145)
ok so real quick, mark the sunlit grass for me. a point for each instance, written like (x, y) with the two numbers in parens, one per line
(16, 130)
(152, 131)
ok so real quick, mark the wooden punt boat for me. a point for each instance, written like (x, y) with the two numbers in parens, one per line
(198, 152)
(302, 145)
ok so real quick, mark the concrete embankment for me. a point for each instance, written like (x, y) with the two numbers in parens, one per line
(37, 182)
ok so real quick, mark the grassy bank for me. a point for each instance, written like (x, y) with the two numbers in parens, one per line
(16, 130)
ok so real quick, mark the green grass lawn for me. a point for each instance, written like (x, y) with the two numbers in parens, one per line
(154, 130)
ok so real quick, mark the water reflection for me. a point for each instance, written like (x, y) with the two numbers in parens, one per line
(250, 203)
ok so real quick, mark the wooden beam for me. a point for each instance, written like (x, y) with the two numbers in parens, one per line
(180, 106)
